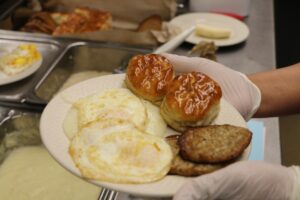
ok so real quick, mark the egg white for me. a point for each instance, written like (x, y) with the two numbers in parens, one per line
(21, 58)
(118, 104)
(117, 137)
(120, 154)
(70, 123)
(155, 124)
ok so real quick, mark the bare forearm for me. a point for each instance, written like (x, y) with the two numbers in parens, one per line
(280, 91)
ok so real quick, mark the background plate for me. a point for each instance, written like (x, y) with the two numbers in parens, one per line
(239, 30)
(6, 79)
(57, 143)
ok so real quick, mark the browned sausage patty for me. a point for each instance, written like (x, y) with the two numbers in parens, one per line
(213, 144)
(186, 168)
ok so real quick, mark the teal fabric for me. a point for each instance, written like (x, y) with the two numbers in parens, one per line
(258, 140)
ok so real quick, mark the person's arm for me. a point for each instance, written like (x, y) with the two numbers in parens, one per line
(280, 91)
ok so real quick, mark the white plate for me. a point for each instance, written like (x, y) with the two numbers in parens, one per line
(6, 79)
(239, 30)
(57, 143)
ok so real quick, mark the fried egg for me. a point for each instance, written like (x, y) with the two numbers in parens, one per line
(19, 59)
(71, 128)
(120, 154)
(117, 137)
(155, 124)
(118, 104)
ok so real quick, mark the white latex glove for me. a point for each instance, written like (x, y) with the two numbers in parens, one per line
(247, 180)
(236, 87)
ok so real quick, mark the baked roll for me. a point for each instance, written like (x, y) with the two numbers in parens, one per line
(192, 100)
(149, 76)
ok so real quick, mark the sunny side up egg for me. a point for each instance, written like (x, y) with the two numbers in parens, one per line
(119, 105)
(117, 137)
(21, 58)
(121, 156)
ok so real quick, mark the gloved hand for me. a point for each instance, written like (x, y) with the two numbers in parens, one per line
(236, 87)
(246, 180)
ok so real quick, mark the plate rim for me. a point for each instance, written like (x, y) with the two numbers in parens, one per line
(43, 122)
(241, 24)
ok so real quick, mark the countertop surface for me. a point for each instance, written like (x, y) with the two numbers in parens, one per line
(257, 54)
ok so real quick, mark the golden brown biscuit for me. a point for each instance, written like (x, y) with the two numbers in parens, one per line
(192, 100)
(186, 168)
(213, 144)
(149, 76)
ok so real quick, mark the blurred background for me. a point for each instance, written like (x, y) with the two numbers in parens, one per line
(287, 31)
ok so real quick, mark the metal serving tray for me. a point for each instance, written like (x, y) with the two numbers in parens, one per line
(15, 125)
(18, 127)
(8, 114)
(61, 58)
(80, 57)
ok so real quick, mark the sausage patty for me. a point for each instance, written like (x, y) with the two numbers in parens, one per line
(186, 168)
(214, 144)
